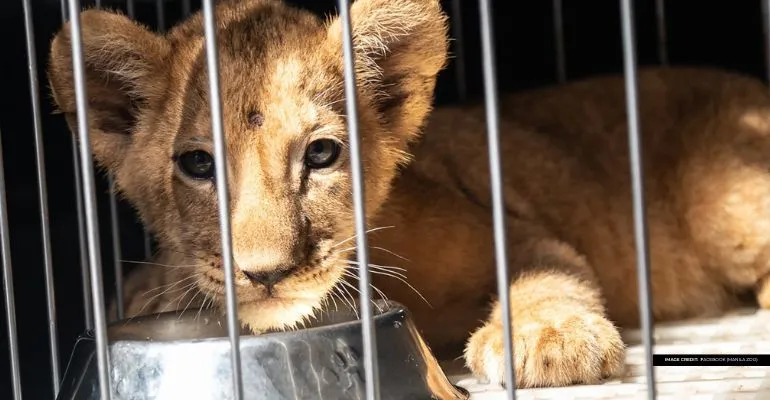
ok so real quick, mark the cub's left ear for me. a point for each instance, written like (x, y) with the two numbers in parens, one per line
(400, 47)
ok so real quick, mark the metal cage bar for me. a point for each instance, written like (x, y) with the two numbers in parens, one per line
(496, 176)
(10, 304)
(660, 18)
(131, 8)
(88, 313)
(637, 182)
(220, 150)
(371, 368)
(161, 23)
(92, 219)
(558, 37)
(34, 92)
(115, 232)
(82, 245)
(460, 68)
(116, 248)
(160, 11)
(766, 31)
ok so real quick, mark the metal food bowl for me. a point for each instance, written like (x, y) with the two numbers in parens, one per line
(187, 356)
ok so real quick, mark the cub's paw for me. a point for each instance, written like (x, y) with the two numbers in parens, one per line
(556, 351)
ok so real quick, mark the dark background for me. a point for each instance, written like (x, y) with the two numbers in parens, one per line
(714, 33)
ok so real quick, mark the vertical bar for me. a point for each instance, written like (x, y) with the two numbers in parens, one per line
(10, 305)
(496, 176)
(161, 23)
(160, 13)
(88, 313)
(371, 369)
(131, 8)
(558, 34)
(186, 9)
(84, 274)
(89, 188)
(117, 251)
(660, 14)
(115, 230)
(50, 297)
(64, 16)
(220, 150)
(147, 245)
(637, 180)
(766, 30)
(457, 27)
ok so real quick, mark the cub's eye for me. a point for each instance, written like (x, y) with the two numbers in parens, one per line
(197, 164)
(322, 153)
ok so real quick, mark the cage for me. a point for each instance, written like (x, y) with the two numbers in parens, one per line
(53, 249)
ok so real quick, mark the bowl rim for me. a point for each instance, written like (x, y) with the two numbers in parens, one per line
(388, 309)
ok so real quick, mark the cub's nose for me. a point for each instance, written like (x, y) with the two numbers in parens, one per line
(268, 278)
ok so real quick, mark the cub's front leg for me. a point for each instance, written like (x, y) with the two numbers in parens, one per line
(560, 332)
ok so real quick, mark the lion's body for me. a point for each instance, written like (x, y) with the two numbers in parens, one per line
(705, 139)
(567, 177)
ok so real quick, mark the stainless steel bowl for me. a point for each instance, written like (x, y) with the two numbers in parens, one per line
(187, 356)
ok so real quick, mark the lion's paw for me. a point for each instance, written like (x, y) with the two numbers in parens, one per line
(578, 348)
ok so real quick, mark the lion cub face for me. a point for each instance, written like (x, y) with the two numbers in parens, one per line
(284, 121)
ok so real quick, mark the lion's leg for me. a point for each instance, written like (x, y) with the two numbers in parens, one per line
(561, 334)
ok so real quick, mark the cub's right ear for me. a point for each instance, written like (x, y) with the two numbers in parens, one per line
(123, 66)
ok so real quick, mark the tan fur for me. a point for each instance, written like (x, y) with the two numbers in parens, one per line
(566, 181)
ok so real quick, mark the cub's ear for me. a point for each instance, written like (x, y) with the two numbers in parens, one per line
(123, 62)
(400, 47)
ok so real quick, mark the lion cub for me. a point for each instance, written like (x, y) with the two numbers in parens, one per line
(568, 199)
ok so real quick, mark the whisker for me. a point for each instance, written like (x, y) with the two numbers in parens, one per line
(203, 304)
(158, 264)
(172, 284)
(379, 292)
(351, 301)
(356, 264)
(334, 301)
(180, 297)
(338, 252)
(166, 291)
(189, 302)
(367, 232)
(383, 273)
(348, 284)
(391, 253)
(382, 270)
